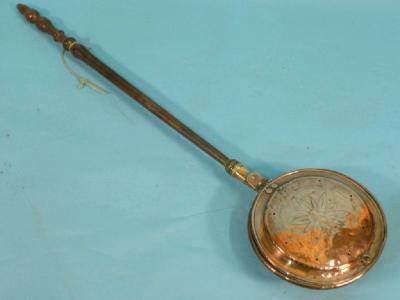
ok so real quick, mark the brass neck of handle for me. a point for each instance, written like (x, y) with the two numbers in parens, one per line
(241, 173)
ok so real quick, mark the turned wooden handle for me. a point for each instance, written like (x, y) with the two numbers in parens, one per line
(45, 25)
(82, 53)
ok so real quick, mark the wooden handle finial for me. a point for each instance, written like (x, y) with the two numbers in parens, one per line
(45, 25)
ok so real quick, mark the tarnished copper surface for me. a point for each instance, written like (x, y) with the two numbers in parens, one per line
(317, 228)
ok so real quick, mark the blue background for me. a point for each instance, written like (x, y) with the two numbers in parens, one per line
(99, 200)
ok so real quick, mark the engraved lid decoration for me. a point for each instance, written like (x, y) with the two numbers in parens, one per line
(319, 221)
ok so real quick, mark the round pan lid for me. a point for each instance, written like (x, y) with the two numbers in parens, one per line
(317, 228)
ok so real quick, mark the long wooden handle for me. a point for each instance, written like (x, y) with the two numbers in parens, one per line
(82, 53)
(232, 166)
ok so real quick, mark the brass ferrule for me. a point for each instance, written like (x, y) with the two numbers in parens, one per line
(241, 173)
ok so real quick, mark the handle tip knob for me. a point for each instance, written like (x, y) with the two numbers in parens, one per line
(44, 25)
(22, 8)
(31, 15)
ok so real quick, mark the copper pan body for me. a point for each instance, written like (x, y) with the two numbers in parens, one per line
(317, 228)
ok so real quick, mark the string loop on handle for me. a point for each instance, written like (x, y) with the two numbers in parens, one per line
(83, 82)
